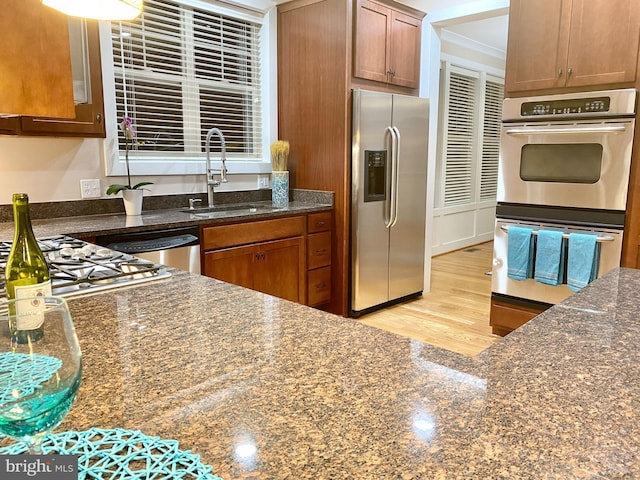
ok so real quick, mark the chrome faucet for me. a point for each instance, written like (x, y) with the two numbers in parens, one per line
(211, 181)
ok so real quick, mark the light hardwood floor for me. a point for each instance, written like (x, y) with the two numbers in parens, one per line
(455, 313)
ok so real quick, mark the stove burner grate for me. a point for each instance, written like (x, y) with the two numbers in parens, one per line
(77, 267)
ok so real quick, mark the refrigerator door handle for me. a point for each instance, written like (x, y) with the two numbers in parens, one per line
(395, 167)
(389, 203)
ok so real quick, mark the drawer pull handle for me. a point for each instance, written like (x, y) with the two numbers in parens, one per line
(321, 285)
(321, 224)
(322, 251)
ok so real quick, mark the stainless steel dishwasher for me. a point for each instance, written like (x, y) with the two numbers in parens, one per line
(174, 247)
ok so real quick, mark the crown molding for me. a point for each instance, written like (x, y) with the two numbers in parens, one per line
(466, 42)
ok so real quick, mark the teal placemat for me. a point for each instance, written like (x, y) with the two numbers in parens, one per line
(22, 374)
(123, 454)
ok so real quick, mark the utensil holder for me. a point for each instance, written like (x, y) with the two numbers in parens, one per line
(280, 188)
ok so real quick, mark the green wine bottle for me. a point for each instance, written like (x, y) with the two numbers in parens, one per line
(27, 274)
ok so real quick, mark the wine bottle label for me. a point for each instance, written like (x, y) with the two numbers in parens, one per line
(30, 314)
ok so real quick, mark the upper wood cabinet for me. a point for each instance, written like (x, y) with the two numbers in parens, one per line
(387, 45)
(35, 72)
(87, 115)
(572, 43)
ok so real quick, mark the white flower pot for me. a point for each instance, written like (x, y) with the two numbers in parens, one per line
(132, 201)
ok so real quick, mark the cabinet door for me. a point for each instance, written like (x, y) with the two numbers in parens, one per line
(281, 269)
(537, 45)
(603, 42)
(232, 265)
(89, 114)
(371, 54)
(276, 268)
(35, 71)
(404, 48)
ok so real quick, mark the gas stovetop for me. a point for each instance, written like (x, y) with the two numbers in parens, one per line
(77, 267)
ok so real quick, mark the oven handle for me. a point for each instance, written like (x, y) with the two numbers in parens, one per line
(546, 130)
(566, 235)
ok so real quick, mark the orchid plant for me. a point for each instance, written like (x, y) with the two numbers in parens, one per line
(129, 132)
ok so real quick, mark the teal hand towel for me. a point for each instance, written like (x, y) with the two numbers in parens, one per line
(583, 260)
(550, 257)
(520, 246)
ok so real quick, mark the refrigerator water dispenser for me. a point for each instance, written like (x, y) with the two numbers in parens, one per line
(375, 166)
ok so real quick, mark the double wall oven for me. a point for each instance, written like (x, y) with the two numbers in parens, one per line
(564, 165)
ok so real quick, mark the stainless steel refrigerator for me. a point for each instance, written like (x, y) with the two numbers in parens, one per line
(388, 198)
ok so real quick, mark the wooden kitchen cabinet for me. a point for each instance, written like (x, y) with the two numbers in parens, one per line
(35, 76)
(387, 45)
(319, 230)
(506, 317)
(286, 257)
(267, 255)
(273, 267)
(559, 44)
(87, 117)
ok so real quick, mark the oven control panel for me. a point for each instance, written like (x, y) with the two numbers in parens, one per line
(566, 106)
(619, 103)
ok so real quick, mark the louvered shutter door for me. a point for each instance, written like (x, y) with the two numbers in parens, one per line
(494, 94)
(459, 153)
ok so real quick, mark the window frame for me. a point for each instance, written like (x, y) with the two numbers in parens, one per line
(150, 163)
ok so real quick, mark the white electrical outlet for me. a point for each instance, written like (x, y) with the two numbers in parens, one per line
(90, 188)
(263, 181)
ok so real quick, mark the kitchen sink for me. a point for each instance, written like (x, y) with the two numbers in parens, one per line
(219, 210)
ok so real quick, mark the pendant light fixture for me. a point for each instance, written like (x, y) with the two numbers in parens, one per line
(98, 9)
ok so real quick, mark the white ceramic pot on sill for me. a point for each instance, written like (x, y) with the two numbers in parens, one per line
(132, 201)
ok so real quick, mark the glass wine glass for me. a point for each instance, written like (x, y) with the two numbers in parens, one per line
(40, 368)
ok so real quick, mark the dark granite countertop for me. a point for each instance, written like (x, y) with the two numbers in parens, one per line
(310, 395)
(113, 223)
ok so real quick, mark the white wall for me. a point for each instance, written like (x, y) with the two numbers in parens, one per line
(50, 169)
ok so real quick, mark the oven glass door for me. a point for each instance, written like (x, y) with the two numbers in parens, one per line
(610, 250)
(583, 165)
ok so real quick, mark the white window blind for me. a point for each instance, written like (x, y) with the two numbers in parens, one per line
(181, 70)
(471, 117)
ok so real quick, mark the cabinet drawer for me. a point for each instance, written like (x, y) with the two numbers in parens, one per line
(319, 222)
(505, 318)
(318, 250)
(252, 232)
(319, 286)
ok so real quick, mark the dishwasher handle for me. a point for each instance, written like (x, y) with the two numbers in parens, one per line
(150, 241)
(163, 243)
